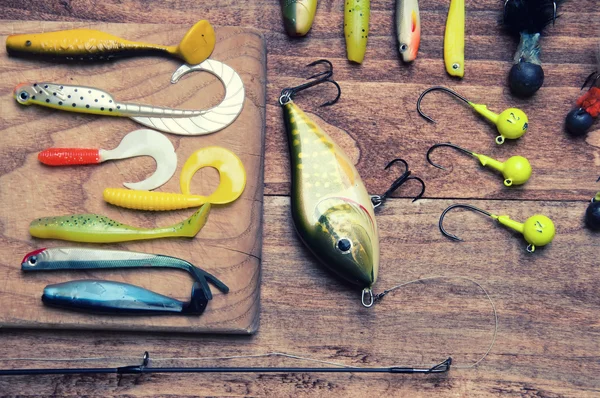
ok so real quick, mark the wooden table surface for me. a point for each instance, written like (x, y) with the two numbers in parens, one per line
(548, 303)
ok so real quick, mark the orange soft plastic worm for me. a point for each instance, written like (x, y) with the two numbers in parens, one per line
(69, 156)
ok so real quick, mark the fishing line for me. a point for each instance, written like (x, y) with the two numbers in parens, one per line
(385, 292)
(342, 366)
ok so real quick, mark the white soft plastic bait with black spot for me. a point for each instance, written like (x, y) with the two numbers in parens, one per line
(177, 121)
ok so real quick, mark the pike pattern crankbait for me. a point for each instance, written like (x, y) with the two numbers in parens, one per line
(185, 122)
(331, 208)
(511, 123)
(232, 181)
(95, 228)
(117, 298)
(143, 142)
(538, 230)
(408, 28)
(356, 28)
(454, 39)
(516, 170)
(91, 45)
(75, 258)
(298, 16)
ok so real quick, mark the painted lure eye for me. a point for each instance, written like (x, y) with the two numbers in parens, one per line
(32, 260)
(24, 95)
(28, 43)
(344, 245)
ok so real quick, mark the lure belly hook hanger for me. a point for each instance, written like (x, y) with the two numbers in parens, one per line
(184, 122)
(512, 123)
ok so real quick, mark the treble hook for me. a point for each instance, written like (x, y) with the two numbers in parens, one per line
(321, 77)
(516, 169)
(511, 123)
(378, 200)
(538, 230)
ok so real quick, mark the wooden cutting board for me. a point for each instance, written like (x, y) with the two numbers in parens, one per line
(229, 246)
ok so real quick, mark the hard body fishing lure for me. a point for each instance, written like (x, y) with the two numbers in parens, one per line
(331, 208)
(512, 123)
(94, 228)
(408, 28)
(185, 122)
(356, 28)
(75, 258)
(91, 45)
(232, 181)
(454, 39)
(298, 16)
(117, 298)
(527, 18)
(580, 119)
(516, 170)
(137, 143)
(538, 230)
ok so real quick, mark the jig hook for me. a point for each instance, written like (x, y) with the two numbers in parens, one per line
(516, 170)
(538, 230)
(321, 77)
(511, 123)
(378, 200)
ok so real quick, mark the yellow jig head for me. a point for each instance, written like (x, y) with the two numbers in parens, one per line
(516, 170)
(512, 123)
(90, 45)
(454, 39)
(538, 230)
(231, 185)
(356, 28)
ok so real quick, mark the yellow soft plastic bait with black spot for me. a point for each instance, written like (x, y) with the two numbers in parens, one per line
(356, 28)
(88, 44)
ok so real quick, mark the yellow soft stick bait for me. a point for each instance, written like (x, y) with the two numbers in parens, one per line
(516, 170)
(93, 228)
(356, 28)
(454, 39)
(511, 123)
(538, 230)
(232, 181)
(90, 45)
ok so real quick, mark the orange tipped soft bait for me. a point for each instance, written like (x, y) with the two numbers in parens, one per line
(91, 45)
(143, 142)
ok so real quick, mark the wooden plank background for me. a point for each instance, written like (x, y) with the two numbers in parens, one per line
(228, 246)
(549, 335)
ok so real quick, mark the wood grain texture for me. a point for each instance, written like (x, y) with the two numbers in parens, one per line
(548, 341)
(229, 246)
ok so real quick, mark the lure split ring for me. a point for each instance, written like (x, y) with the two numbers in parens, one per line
(512, 123)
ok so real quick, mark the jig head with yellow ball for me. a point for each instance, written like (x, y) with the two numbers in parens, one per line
(512, 123)
(538, 230)
(516, 170)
